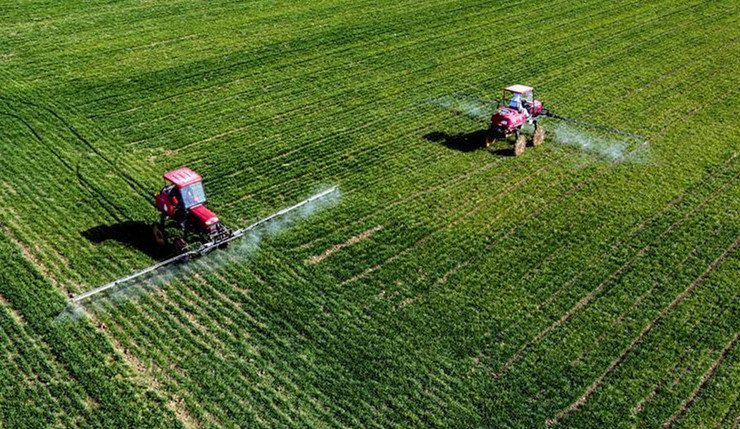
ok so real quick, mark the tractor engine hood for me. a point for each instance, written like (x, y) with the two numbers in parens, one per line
(203, 216)
(508, 118)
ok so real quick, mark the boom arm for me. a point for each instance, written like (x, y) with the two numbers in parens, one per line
(202, 250)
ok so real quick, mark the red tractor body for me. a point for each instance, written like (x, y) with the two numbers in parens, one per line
(506, 118)
(184, 202)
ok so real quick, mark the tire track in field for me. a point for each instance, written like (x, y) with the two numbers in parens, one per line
(623, 316)
(172, 379)
(603, 171)
(148, 376)
(658, 387)
(29, 254)
(313, 333)
(686, 404)
(232, 348)
(616, 246)
(20, 338)
(177, 307)
(585, 301)
(21, 359)
(454, 180)
(282, 183)
(183, 323)
(643, 334)
(340, 246)
(460, 219)
(406, 72)
(90, 187)
(442, 185)
(151, 319)
(135, 184)
(534, 214)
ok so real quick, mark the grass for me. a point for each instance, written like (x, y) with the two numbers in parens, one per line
(575, 286)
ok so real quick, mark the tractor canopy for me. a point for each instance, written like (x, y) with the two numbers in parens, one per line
(189, 186)
(182, 177)
(519, 89)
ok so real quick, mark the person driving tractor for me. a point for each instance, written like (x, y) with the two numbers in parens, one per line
(517, 103)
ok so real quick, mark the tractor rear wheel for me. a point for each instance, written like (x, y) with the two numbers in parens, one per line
(539, 135)
(490, 136)
(520, 145)
(159, 234)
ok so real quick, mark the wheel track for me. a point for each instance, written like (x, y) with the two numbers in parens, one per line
(615, 247)
(644, 333)
(585, 301)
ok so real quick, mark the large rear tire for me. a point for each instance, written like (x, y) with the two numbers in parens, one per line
(490, 136)
(160, 235)
(520, 145)
(539, 135)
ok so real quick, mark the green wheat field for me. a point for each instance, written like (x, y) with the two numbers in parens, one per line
(593, 282)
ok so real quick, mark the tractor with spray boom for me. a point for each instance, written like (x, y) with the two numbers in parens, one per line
(182, 204)
(518, 107)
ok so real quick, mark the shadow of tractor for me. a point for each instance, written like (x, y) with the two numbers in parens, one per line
(133, 234)
(469, 142)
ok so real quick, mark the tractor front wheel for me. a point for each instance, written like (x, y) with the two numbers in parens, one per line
(520, 145)
(181, 246)
(159, 234)
(539, 135)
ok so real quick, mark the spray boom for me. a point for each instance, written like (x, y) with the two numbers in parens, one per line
(203, 249)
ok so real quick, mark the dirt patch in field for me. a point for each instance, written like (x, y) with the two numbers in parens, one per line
(337, 247)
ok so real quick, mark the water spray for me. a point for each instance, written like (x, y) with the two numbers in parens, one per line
(204, 248)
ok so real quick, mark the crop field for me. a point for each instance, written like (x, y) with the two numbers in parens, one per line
(593, 281)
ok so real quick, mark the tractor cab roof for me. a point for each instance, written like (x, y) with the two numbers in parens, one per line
(519, 89)
(182, 177)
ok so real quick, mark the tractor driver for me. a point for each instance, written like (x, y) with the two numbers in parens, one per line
(180, 213)
(517, 103)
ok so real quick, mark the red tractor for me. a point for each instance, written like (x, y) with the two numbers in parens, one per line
(516, 108)
(182, 201)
